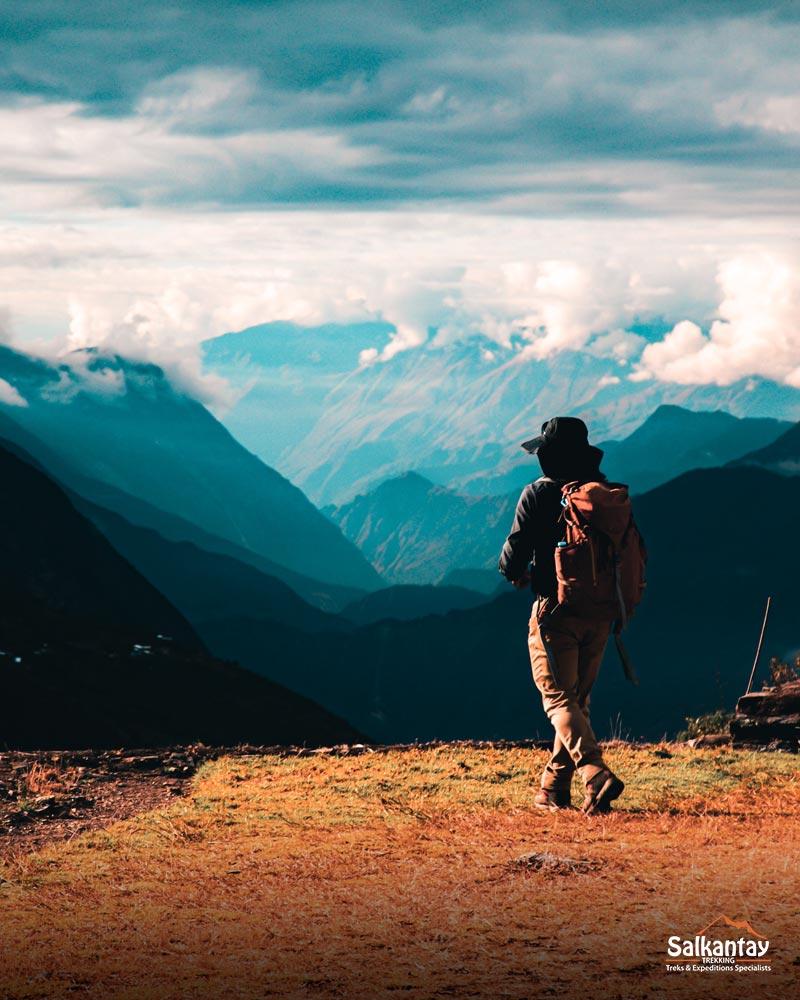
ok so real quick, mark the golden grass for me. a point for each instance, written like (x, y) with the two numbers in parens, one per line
(393, 875)
(41, 780)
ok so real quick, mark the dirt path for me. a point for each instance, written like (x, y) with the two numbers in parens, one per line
(55, 795)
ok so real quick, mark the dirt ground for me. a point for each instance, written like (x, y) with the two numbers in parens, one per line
(422, 873)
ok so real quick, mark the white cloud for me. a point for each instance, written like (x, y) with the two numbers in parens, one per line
(622, 345)
(202, 95)
(10, 395)
(154, 284)
(757, 331)
(772, 113)
(368, 357)
(55, 155)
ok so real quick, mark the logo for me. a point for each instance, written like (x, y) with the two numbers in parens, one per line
(724, 945)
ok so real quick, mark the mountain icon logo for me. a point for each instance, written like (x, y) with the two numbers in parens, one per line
(739, 925)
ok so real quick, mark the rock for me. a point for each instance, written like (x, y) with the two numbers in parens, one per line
(552, 864)
(771, 716)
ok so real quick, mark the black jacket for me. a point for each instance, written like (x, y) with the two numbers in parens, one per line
(537, 527)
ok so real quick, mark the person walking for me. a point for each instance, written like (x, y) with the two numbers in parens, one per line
(566, 646)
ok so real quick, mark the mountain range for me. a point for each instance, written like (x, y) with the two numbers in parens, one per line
(121, 423)
(454, 411)
(416, 532)
(712, 565)
(673, 440)
(93, 655)
(87, 598)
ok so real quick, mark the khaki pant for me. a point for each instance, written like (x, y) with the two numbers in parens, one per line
(576, 647)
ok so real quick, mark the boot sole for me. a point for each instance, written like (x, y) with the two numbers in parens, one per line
(612, 789)
(551, 808)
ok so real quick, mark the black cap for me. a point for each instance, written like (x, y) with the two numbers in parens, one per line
(564, 433)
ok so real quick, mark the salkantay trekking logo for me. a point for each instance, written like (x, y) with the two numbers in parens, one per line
(719, 953)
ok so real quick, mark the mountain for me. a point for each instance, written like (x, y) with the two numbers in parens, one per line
(122, 423)
(673, 440)
(404, 603)
(781, 456)
(93, 655)
(54, 556)
(414, 532)
(454, 411)
(98, 500)
(465, 674)
(206, 585)
(286, 372)
(484, 581)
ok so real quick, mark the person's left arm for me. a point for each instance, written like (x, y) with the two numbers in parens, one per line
(515, 559)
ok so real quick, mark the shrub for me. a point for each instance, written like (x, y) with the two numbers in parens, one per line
(782, 673)
(704, 725)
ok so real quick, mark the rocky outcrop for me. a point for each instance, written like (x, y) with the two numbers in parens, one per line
(769, 718)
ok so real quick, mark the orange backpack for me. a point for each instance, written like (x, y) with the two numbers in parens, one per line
(600, 565)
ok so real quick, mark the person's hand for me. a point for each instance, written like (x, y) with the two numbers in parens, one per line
(523, 582)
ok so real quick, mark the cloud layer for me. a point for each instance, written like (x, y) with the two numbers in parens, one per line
(531, 107)
(552, 175)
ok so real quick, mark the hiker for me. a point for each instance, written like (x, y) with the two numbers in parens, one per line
(566, 644)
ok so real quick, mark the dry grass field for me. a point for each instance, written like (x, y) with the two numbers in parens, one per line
(403, 874)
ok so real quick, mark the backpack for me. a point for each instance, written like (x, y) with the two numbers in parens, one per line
(600, 564)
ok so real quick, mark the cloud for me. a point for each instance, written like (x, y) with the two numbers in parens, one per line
(158, 331)
(6, 332)
(756, 332)
(156, 284)
(779, 113)
(576, 111)
(9, 395)
(55, 155)
(546, 176)
(622, 345)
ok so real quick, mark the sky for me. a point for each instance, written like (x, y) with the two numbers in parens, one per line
(566, 172)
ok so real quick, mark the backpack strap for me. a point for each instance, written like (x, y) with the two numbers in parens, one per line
(627, 664)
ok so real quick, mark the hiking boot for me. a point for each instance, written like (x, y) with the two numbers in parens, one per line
(553, 799)
(603, 788)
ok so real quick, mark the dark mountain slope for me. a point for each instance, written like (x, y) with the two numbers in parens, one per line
(122, 423)
(406, 602)
(96, 500)
(206, 585)
(674, 440)
(93, 655)
(66, 688)
(455, 676)
(782, 456)
(51, 553)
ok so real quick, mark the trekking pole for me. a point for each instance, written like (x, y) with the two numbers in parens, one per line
(758, 651)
